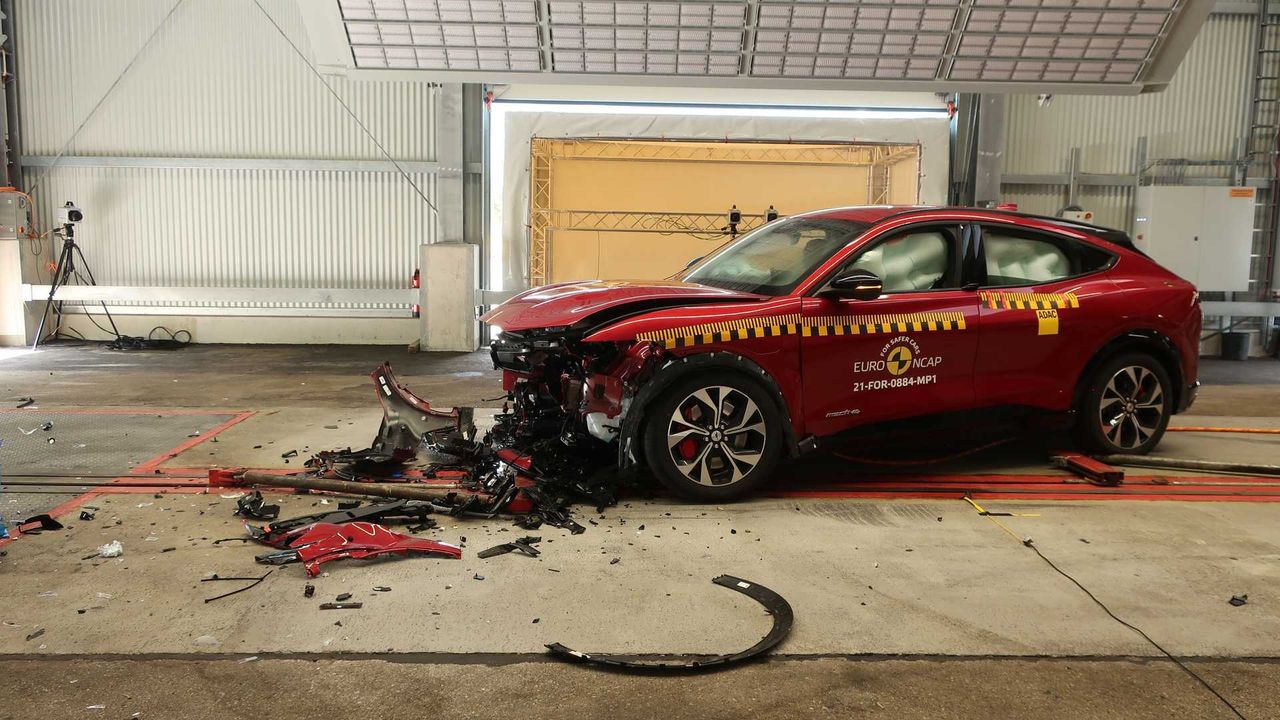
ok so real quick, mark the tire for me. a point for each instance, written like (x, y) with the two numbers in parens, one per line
(701, 458)
(1126, 406)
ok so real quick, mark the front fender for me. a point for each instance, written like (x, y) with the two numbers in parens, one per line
(679, 367)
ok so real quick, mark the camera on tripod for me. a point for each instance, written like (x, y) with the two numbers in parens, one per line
(69, 214)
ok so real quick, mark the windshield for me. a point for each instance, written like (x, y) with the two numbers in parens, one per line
(773, 259)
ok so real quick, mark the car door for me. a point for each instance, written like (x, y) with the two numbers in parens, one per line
(908, 352)
(1040, 315)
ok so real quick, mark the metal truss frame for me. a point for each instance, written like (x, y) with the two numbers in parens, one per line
(545, 219)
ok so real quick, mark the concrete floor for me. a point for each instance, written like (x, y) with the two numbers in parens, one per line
(905, 608)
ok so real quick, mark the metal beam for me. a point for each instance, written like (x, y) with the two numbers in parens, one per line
(12, 118)
(224, 163)
(1225, 308)
(512, 77)
(1180, 31)
(257, 296)
(989, 161)
(1117, 180)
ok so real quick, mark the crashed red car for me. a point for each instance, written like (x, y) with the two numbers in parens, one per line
(830, 321)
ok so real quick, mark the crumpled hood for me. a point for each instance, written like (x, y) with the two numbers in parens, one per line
(564, 304)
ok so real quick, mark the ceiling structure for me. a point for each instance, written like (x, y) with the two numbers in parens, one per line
(1099, 46)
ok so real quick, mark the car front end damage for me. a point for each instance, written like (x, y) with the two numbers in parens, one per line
(558, 439)
(568, 399)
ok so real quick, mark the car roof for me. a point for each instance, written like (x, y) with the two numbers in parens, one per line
(872, 214)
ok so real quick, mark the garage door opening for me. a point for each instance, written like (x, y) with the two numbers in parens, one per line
(620, 209)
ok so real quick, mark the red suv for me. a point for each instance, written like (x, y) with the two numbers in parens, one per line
(821, 323)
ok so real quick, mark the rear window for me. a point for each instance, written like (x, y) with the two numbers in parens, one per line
(1015, 258)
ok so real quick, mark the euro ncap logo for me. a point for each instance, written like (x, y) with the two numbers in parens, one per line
(899, 360)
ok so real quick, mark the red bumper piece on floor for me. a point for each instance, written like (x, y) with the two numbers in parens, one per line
(325, 542)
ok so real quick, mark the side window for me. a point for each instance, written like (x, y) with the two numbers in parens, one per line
(1014, 258)
(916, 260)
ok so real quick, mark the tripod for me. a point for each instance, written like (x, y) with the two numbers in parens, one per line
(63, 272)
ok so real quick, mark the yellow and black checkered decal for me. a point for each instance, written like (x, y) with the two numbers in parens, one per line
(778, 325)
(997, 300)
(873, 324)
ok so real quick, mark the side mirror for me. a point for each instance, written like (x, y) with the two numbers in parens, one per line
(855, 285)
(693, 262)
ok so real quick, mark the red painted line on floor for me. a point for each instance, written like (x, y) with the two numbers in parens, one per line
(164, 412)
(152, 464)
(150, 467)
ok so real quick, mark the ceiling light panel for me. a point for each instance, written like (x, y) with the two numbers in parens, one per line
(652, 14)
(849, 43)
(1011, 70)
(906, 17)
(991, 41)
(644, 63)
(1072, 21)
(1055, 47)
(844, 67)
(446, 35)
(487, 11)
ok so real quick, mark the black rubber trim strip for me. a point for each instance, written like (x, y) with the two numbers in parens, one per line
(773, 603)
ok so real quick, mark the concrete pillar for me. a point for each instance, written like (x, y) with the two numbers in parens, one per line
(13, 317)
(450, 276)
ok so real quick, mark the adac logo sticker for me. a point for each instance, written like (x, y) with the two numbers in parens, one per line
(897, 359)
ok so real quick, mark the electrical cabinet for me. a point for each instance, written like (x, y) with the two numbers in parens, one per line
(1202, 234)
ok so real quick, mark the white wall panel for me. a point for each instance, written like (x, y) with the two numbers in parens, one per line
(1199, 116)
(229, 228)
(219, 81)
(1111, 206)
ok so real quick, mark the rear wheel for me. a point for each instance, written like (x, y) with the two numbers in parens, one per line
(1126, 407)
(712, 436)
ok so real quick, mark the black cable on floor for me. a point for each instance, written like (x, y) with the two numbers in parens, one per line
(1137, 630)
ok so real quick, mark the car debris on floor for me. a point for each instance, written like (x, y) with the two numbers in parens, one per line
(774, 604)
(527, 467)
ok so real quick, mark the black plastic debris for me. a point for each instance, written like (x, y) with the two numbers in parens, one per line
(341, 606)
(524, 545)
(348, 504)
(38, 523)
(36, 634)
(1238, 600)
(773, 603)
(381, 588)
(291, 453)
(343, 596)
(24, 402)
(87, 514)
(251, 585)
(47, 425)
(308, 590)
(255, 507)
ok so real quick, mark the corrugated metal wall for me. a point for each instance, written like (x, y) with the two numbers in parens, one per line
(218, 81)
(1200, 115)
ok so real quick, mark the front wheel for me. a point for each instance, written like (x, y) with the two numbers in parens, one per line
(712, 437)
(1126, 406)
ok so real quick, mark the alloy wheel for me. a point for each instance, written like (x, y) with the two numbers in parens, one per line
(1132, 407)
(716, 435)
